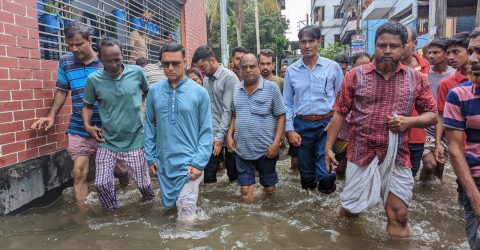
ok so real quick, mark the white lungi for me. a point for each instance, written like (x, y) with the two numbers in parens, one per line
(365, 185)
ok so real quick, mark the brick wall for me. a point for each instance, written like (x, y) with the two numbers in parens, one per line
(27, 86)
(195, 26)
(27, 83)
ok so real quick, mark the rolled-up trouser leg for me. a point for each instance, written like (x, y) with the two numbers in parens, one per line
(187, 200)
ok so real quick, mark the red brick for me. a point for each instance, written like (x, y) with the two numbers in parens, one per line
(28, 63)
(8, 62)
(37, 142)
(26, 21)
(27, 154)
(43, 150)
(8, 160)
(25, 135)
(33, 33)
(43, 93)
(35, 54)
(28, 43)
(32, 12)
(56, 137)
(10, 106)
(48, 64)
(8, 40)
(28, 3)
(47, 102)
(42, 75)
(2, 27)
(65, 111)
(61, 127)
(11, 127)
(6, 117)
(62, 144)
(49, 84)
(13, 147)
(31, 84)
(24, 115)
(5, 96)
(6, 17)
(15, 30)
(3, 50)
(7, 138)
(32, 104)
(41, 112)
(18, 52)
(9, 84)
(4, 74)
(27, 124)
(20, 73)
(14, 8)
(42, 132)
(22, 94)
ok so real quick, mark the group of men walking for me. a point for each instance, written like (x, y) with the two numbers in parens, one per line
(241, 117)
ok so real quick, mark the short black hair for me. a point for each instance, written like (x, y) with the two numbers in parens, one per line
(312, 31)
(76, 27)
(108, 42)
(393, 28)
(239, 49)
(439, 43)
(142, 61)
(474, 34)
(267, 53)
(172, 47)
(460, 39)
(202, 53)
(341, 59)
(359, 55)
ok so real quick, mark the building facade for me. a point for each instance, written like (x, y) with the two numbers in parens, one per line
(327, 14)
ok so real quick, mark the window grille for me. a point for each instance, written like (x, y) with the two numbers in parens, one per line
(109, 18)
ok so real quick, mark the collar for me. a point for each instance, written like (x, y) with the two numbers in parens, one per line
(459, 77)
(120, 76)
(317, 63)
(445, 73)
(475, 89)
(217, 73)
(259, 85)
(424, 65)
(180, 84)
(368, 68)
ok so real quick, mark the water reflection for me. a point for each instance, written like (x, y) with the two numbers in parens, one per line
(290, 219)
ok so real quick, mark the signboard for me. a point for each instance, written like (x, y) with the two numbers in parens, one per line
(358, 43)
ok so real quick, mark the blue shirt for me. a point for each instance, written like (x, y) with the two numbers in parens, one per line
(311, 91)
(255, 118)
(72, 76)
(178, 133)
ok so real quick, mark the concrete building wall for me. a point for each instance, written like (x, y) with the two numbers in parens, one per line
(331, 26)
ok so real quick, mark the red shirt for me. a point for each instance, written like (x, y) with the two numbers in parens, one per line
(419, 135)
(371, 100)
(445, 85)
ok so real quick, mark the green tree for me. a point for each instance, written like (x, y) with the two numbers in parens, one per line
(332, 50)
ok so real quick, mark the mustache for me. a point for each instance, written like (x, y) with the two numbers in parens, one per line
(475, 66)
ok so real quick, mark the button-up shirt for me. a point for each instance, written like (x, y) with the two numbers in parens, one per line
(461, 113)
(311, 91)
(446, 85)
(220, 89)
(371, 100)
(255, 118)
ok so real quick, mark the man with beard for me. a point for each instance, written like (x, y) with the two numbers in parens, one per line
(432, 163)
(219, 83)
(266, 64)
(178, 136)
(416, 136)
(73, 70)
(310, 88)
(461, 119)
(118, 90)
(237, 54)
(381, 97)
(258, 122)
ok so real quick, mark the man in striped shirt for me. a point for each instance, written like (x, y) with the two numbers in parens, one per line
(462, 117)
(259, 107)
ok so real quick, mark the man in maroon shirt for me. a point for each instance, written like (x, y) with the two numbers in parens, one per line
(381, 97)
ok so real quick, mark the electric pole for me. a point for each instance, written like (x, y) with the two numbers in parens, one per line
(223, 32)
(359, 16)
(436, 18)
(257, 26)
(477, 22)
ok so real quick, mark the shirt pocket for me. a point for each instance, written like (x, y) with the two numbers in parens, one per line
(322, 85)
(260, 106)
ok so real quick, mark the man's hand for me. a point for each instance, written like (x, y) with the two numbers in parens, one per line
(399, 124)
(272, 151)
(330, 162)
(294, 138)
(43, 121)
(217, 147)
(194, 173)
(475, 202)
(153, 169)
(439, 153)
(231, 147)
(95, 133)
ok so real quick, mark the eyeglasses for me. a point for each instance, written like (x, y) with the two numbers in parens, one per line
(166, 64)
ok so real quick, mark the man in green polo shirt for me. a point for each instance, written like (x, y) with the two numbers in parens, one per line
(118, 89)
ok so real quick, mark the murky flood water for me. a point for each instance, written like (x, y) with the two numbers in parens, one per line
(290, 219)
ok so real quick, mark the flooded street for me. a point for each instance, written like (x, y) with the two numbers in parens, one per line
(290, 219)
